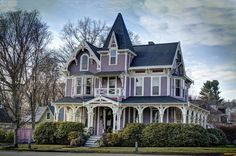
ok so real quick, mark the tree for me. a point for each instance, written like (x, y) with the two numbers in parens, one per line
(23, 37)
(210, 92)
(93, 31)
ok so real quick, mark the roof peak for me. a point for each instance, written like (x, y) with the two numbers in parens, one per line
(121, 34)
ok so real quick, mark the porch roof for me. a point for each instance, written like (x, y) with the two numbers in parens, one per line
(73, 99)
(109, 73)
(152, 99)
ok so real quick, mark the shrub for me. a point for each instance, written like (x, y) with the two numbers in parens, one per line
(76, 138)
(160, 135)
(131, 133)
(219, 134)
(55, 132)
(230, 132)
(213, 140)
(9, 137)
(111, 140)
(72, 135)
(2, 135)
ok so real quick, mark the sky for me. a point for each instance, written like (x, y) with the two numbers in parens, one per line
(206, 29)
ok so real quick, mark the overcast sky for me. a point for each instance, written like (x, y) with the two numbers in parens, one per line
(205, 28)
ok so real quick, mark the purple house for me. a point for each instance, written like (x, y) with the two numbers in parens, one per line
(120, 83)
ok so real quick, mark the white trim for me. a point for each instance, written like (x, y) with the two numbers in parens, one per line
(126, 60)
(110, 56)
(168, 86)
(158, 86)
(142, 78)
(76, 84)
(119, 50)
(151, 67)
(88, 62)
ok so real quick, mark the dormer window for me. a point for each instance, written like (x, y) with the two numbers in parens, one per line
(84, 60)
(113, 56)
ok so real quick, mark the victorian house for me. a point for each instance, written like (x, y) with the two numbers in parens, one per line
(120, 83)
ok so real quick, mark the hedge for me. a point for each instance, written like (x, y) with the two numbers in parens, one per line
(6, 136)
(56, 132)
(163, 135)
(230, 132)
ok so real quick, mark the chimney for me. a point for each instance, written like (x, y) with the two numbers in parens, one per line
(151, 42)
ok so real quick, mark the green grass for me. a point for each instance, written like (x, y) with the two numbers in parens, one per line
(227, 150)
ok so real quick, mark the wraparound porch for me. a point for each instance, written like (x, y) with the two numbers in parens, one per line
(102, 114)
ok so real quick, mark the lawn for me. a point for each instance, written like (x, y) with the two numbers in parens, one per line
(227, 150)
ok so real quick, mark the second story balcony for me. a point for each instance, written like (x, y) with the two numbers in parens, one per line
(111, 92)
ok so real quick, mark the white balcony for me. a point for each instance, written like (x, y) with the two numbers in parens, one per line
(112, 92)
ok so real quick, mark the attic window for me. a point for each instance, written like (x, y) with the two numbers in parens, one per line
(84, 62)
(113, 56)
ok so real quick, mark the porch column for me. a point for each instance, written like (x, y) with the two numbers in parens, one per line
(205, 121)
(56, 114)
(140, 115)
(194, 117)
(124, 111)
(189, 116)
(64, 117)
(118, 121)
(114, 122)
(161, 111)
(198, 116)
(74, 114)
(184, 113)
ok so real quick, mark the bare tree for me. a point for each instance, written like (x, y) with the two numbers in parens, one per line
(93, 31)
(21, 38)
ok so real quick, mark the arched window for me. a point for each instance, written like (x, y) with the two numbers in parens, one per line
(84, 60)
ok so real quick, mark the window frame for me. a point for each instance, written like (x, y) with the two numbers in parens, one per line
(85, 86)
(135, 86)
(110, 57)
(81, 86)
(159, 85)
(81, 62)
(180, 82)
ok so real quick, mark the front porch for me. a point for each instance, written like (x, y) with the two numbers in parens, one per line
(102, 114)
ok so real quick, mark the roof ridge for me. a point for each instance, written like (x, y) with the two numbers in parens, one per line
(154, 44)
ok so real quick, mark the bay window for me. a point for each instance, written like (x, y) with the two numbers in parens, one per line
(112, 85)
(88, 88)
(177, 87)
(79, 86)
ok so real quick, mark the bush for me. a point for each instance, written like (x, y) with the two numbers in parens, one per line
(72, 135)
(2, 135)
(219, 134)
(230, 132)
(9, 137)
(213, 140)
(76, 138)
(111, 140)
(131, 133)
(160, 135)
(55, 132)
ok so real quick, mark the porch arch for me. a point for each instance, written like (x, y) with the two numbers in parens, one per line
(173, 114)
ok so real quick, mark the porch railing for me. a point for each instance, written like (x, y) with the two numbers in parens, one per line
(108, 91)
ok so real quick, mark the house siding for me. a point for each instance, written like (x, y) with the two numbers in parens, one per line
(163, 86)
(68, 87)
(127, 86)
(132, 87)
(147, 86)
(120, 66)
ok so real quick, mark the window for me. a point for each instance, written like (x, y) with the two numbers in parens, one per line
(155, 86)
(84, 62)
(88, 86)
(79, 86)
(112, 85)
(139, 86)
(48, 115)
(113, 56)
(177, 87)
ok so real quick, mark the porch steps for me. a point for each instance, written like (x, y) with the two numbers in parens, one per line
(93, 141)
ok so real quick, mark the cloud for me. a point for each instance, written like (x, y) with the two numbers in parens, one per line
(193, 22)
(7, 5)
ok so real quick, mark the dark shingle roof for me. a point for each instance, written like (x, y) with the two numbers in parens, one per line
(4, 117)
(109, 73)
(152, 99)
(52, 109)
(73, 100)
(121, 33)
(154, 54)
(94, 49)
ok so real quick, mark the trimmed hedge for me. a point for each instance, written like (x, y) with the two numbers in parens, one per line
(162, 135)
(6, 136)
(230, 132)
(219, 135)
(56, 132)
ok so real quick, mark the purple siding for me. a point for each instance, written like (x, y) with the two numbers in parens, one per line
(92, 66)
(119, 84)
(120, 63)
(68, 87)
(147, 86)
(96, 83)
(132, 87)
(163, 86)
(104, 82)
(127, 87)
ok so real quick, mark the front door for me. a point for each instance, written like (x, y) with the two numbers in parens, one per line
(108, 120)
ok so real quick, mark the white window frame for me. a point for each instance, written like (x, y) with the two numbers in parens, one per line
(111, 57)
(76, 80)
(81, 62)
(92, 85)
(135, 86)
(180, 94)
(108, 85)
(159, 77)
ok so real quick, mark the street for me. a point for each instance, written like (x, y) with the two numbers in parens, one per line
(14, 153)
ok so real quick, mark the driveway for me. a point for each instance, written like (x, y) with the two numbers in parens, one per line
(14, 153)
